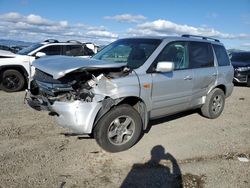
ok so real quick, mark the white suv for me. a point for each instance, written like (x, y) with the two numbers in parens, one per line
(15, 68)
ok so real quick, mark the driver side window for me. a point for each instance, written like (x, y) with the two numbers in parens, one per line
(175, 52)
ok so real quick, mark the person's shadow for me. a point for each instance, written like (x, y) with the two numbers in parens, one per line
(162, 170)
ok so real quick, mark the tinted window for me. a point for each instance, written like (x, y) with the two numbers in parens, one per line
(74, 50)
(221, 55)
(200, 55)
(88, 51)
(241, 56)
(52, 50)
(175, 52)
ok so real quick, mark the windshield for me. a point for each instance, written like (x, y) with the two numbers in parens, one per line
(134, 52)
(29, 49)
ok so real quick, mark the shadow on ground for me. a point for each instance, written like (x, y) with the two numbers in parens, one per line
(162, 170)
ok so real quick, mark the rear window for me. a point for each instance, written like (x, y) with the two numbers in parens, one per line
(221, 55)
(200, 55)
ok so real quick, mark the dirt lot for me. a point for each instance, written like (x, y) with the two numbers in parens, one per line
(183, 149)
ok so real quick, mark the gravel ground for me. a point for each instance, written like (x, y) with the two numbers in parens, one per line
(185, 149)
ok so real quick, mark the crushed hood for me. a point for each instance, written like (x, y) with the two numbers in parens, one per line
(59, 66)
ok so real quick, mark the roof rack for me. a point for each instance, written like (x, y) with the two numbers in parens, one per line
(74, 41)
(51, 40)
(201, 37)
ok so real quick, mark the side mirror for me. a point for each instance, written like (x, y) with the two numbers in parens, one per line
(165, 66)
(40, 54)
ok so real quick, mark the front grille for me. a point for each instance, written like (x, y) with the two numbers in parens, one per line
(44, 77)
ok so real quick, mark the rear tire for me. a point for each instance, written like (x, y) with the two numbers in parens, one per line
(214, 104)
(12, 81)
(119, 129)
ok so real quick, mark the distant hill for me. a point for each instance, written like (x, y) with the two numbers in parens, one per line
(234, 50)
(11, 43)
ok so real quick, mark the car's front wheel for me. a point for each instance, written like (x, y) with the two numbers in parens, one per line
(119, 129)
(214, 104)
(12, 80)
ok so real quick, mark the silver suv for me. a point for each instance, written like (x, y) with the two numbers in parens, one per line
(114, 94)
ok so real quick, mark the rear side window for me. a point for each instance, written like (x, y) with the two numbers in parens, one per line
(74, 50)
(52, 50)
(200, 55)
(221, 55)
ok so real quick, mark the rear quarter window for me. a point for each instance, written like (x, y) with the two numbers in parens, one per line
(74, 50)
(221, 55)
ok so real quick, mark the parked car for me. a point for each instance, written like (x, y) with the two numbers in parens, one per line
(15, 70)
(114, 94)
(241, 64)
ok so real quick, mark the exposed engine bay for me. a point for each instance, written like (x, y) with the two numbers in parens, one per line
(83, 85)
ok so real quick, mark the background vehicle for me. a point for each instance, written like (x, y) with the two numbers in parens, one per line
(241, 64)
(114, 94)
(15, 70)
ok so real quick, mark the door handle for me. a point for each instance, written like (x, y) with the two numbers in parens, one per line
(188, 78)
(214, 74)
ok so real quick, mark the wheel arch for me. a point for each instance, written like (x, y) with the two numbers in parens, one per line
(19, 68)
(222, 87)
(137, 103)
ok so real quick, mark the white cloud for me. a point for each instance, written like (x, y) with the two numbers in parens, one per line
(164, 27)
(34, 27)
(246, 45)
(126, 18)
(11, 16)
(105, 34)
(36, 20)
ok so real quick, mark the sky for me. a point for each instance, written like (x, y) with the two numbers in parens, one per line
(102, 22)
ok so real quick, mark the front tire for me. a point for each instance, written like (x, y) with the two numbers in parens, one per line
(119, 129)
(12, 81)
(214, 104)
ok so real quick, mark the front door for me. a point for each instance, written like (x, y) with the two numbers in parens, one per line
(172, 91)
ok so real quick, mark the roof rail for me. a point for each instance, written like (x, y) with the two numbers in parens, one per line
(51, 40)
(74, 41)
(201, 37)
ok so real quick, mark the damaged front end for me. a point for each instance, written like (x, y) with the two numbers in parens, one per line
(78, 98)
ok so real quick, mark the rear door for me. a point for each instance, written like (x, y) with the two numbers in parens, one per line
(201, 60)
(172, 91)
